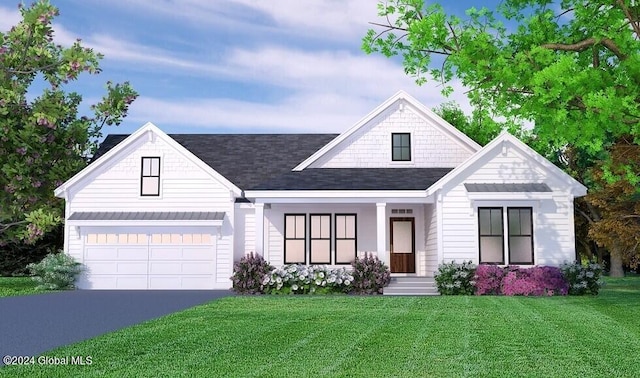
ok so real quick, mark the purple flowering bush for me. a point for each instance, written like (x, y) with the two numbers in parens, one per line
(488, 279)
(249, 273)
(370, 275)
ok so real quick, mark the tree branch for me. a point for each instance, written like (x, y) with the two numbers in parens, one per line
(6, 226)
(585, 44)
(634, 23)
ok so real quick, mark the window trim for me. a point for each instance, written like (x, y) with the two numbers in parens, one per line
(142, 175)
(480, 235)
(311, 238)
(304, 238)
(336, 238)
(520, 235)
(401, 147)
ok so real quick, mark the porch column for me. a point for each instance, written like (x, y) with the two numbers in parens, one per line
(381, 231)
(259, 225)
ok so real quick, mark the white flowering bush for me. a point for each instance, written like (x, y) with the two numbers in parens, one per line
(307, 279)
(456, 279)
(583, 279)
(56, 271)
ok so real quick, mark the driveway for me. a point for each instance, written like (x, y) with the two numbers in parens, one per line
(33, 324)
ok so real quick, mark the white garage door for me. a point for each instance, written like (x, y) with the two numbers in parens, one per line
(149, 260)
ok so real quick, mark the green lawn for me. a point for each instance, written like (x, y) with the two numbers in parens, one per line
(10, 286)
(375, 337)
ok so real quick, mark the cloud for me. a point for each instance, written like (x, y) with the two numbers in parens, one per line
(8, 18)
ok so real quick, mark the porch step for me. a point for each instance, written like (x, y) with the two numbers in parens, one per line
(411, 286)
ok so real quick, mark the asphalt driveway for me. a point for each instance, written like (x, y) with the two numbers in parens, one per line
(33, 324)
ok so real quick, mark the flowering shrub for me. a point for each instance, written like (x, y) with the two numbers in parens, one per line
(370, 275)
(583, 279)
(304, 279)
(539, 280)
(249, 273)
(488, 279)
(56, 271)
(455, 279)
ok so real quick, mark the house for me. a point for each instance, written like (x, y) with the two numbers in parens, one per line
(158, 211)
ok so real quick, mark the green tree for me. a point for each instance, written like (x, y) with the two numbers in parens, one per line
(571, 67)
(44, 140)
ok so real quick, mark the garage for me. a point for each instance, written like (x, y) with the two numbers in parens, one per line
(140, 254)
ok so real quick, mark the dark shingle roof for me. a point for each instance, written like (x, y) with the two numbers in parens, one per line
(356, 179)
(146, 215)
(499, 188)
(244, 159)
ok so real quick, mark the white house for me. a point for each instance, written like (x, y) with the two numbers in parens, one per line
(158, 211)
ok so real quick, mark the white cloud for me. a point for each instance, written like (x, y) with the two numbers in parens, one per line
(9, 17)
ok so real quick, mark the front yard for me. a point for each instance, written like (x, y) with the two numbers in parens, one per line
(374, 337)
(10, 286)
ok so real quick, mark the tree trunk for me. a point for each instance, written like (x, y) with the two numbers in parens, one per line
(615, 270)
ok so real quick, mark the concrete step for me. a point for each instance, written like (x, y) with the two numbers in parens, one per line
(411, 285)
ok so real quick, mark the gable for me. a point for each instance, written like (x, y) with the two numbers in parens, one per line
(434, 143)
(123, 162)
(506, 160)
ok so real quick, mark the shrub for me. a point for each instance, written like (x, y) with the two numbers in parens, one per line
(583, 279)
(370, 275)
(456, 279)
(249, 273)
(539, 280)
(303, 279)
(488, 279)
(56, 271)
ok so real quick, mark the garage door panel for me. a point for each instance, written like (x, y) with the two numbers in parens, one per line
(181, 267)
(180, 252)
(117, 267)
(116, 253)
(177, 282)
(116, 282)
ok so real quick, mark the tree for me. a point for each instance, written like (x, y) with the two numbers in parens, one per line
(43, 140)
(480, 126)
(571, 67)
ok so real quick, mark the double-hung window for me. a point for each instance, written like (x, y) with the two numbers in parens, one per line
(150, 177)
(320, 239)
(519, 231)
(345, 238)
(295, 242)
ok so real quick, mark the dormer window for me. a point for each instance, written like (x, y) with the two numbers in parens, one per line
(150, 179)
(401, 147)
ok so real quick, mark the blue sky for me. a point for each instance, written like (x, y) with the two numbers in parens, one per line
(237, 66)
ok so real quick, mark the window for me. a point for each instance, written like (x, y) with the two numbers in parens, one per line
(320, 239)
(294, 239)
(520, 235)
(150, 180)
(345, 238)
(491, 235)
(401, 147)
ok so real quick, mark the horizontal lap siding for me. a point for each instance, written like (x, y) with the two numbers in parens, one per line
(431, 147)
(431, 243)
(458, 227)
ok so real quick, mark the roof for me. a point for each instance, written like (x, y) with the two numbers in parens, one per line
(147, 215)
(244, 159)
(512, 188)
(356, 179)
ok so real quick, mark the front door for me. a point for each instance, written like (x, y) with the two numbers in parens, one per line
(403, 251)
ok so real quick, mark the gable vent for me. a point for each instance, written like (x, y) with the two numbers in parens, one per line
(401, 211)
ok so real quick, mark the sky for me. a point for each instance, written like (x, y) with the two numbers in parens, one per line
(237, 66)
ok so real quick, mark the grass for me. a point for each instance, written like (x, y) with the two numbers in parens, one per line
(10, 286)
(306, 336)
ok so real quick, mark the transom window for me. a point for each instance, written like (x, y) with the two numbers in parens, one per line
(519, 229)
(295, 239)
(401, 147)
(345, 238)
(150, 177)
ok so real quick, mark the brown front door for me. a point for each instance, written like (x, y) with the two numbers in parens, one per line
(403, 245)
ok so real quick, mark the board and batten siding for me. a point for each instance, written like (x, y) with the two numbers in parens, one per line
(553, 243)
(370, 146)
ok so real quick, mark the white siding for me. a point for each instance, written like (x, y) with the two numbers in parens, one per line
(370, 146)
(553, 225)
(245, 233)
(431, 242)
